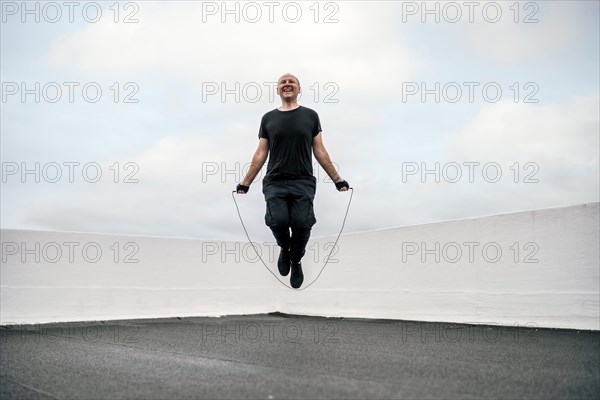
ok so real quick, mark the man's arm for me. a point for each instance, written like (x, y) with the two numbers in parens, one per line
(258, 160)
(323, 158)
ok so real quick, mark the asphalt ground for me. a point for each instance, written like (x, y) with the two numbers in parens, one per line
(274, 356)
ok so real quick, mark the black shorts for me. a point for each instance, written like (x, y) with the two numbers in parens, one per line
(290, 203)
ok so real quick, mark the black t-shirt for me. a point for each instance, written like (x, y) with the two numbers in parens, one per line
(290, 135)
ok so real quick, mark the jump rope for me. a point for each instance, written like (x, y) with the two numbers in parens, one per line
(326, 260)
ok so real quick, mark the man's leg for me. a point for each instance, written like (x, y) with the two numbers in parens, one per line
(299, 240)
(302, 217)
(277, 216)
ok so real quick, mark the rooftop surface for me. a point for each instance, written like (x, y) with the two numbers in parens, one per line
(273, 356)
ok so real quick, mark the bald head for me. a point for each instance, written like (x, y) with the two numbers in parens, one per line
(288, 75)
(288, 88)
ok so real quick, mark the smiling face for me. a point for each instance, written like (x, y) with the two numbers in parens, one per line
(288, 88)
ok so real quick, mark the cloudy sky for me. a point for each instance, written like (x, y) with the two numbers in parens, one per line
(141, 117)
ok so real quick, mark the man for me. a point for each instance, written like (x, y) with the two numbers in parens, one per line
(290, 134)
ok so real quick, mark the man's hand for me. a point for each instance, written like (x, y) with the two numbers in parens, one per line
(341, 185)
(242, 189)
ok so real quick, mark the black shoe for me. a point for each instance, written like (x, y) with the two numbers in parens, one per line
(297, 276)
(284, 262)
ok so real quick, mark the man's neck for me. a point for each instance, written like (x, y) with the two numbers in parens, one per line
(288, 106)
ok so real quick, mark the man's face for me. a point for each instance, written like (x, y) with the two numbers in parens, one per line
(288, 88)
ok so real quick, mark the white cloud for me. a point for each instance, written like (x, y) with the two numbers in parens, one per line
(184, 189)
(171, 38)
(561, 142)
(561, 135)
(507, 41)
(365, 54)
(186, 180)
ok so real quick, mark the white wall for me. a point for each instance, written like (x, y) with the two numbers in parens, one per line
(378, 274)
